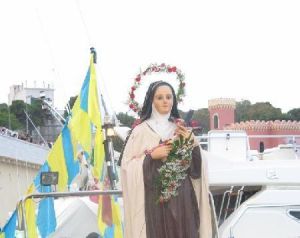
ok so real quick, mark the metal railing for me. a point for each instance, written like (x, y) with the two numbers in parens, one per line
(228, 195)
(206, 136)
(214, 216)
(61, 195)
(203, 139)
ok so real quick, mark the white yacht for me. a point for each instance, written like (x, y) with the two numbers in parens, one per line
(256, 194)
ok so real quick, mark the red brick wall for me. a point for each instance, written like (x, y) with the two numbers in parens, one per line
(254, 142)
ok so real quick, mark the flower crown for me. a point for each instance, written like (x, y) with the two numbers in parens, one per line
(155, 68)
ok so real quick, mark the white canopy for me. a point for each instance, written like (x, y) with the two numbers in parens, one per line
(76, 217)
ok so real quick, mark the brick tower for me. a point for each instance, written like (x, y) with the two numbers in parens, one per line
(221, 112)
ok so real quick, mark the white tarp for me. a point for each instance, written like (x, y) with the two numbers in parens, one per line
(76, 217)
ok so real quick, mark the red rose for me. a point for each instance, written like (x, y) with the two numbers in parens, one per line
(133, 88)
(180, 122)
(132, 96)
(172, 69)
(138, 78)
(131, 106)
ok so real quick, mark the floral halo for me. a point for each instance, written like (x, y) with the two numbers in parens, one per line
(155, 68)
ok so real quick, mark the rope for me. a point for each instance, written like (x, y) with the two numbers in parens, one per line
(106, 94)
(18, 180)
(97, 65)
(27, 177)
(84, 23)
(55, 70)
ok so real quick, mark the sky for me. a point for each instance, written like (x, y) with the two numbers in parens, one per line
(230, 49)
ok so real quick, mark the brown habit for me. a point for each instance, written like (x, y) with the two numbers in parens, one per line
(179, 217)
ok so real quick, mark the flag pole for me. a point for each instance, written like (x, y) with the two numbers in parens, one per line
(108, 143)
(93, 51)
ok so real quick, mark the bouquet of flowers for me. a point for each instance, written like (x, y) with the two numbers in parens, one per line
(174, 169)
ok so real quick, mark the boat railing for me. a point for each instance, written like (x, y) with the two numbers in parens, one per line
(233, 196)
(294, 140)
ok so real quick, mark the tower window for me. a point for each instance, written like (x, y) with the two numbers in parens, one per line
(216, 122)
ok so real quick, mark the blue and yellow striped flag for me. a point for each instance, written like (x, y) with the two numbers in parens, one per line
(30, 216)
(83, 130)
(109, 217)
(78, 133)
(46, 219)
(10, 227)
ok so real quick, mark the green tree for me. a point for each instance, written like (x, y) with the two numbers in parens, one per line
(5, 118)
(8, 119)
(17, 108)
(241, 111)
(202, 116)
(36, 112)
(3, 107)
(294, 114)
(264, 111)
(125, 119)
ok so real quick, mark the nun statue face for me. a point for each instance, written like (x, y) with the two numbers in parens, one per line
(163, 99)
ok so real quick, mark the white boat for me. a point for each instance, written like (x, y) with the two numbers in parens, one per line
(255, 194)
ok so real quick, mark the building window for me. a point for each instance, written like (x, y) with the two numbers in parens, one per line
(216, 122)
(295, 214)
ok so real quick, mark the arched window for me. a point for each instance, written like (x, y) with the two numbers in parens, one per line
(216, 122)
